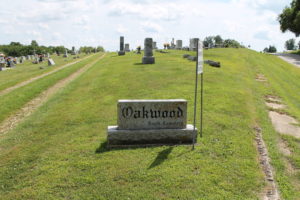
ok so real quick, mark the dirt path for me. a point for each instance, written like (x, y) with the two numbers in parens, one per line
(290, 58)
(7, 90)
(31, 106)
(271, 191)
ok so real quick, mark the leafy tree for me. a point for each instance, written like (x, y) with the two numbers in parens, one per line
(266, 50)
(230, 43)
(34, 43)
(100, 49)
(289, 19)
(290, 44)
(209, 41)
(270, 49)
(218, 40)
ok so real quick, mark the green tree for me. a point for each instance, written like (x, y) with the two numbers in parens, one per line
(270, 49)
(218, 40)
(34, 43)
(290, 44)
(230, 43)
(209, 41)
(289, 19)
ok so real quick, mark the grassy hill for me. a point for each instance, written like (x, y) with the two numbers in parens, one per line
(59, 151)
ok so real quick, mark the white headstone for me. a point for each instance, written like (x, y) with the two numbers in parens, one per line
(51, 62)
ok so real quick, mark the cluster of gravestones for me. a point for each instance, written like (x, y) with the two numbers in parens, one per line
(148, 50)
(149, 45)
(11, 62)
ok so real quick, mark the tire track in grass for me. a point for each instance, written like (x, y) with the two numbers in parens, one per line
(12, 121)
(7, 90)
(271, 191)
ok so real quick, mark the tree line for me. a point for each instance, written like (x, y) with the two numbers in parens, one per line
(16, 49)
(218, 41)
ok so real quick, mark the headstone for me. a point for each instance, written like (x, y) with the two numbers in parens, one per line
(121, 52)
(154, 45)
(16, 60)
(51, 62)
(172, 44)
(66, 54)
(151, 122)
(127, 47)
(138, 49)
(73, 51)
(193, 44)
(148, 52)
(212, 63)
(192, 58)
(2, 63)
(11, 63)
(179, 44)
(185, 55)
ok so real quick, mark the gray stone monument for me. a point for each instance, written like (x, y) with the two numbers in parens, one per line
(121, 52)
(127, 47)
(51, 62)
(172, 44)
(179, 44)
(154, 45)
(148, 53)
(66, 54)
(193, 44)
(151, 122)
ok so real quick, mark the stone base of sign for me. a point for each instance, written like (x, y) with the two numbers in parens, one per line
(148, 60)
(116, 137)
(121, 53)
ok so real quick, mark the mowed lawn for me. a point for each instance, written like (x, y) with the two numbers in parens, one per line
(59, 152)
(27, 70)
(16, 99)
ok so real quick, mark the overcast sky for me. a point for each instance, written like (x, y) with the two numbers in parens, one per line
(101, 22)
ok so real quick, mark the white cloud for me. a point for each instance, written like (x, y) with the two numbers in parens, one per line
(101, 22)
(150, 27)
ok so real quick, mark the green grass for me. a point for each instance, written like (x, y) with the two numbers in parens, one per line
(16, 99)
(28, 70)
(59, 151)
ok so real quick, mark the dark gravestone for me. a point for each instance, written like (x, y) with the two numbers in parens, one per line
(212, 63)
(185, 55)
(121, 52)
(192, 58)
(148, 53)
(138, 50)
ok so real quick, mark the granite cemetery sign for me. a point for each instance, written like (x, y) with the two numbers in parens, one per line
(151, 122)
